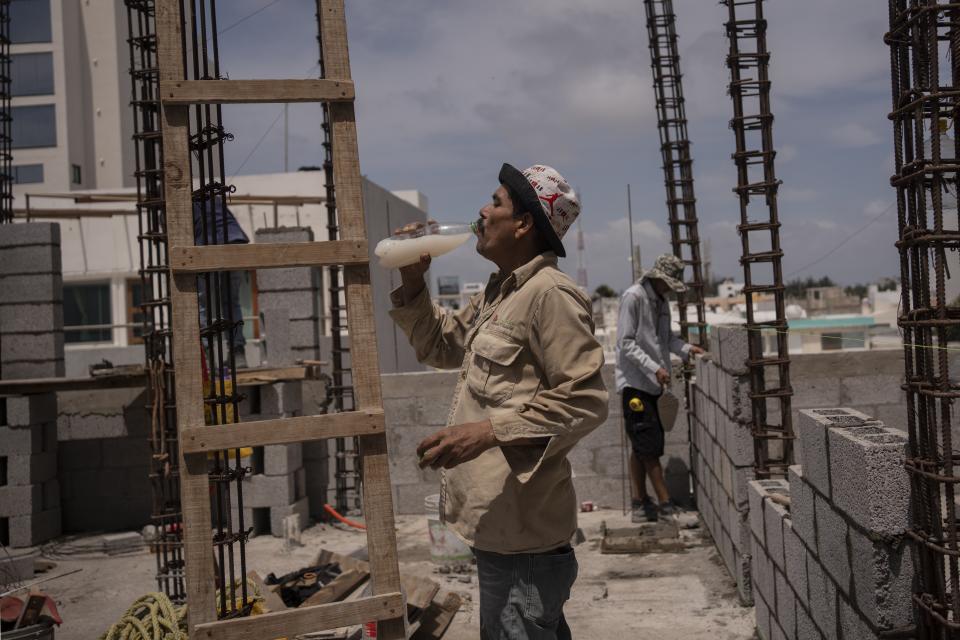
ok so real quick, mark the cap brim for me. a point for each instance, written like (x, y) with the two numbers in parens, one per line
(674, 284)
(514, 178)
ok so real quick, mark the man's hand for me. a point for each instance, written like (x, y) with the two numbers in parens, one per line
(412, 276)
(695, 350)
(663, 377)
(455, 445)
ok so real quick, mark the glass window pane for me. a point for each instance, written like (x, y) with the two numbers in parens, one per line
(28, 174)
(34, 126)
(85, 305)
(30, 21)
(31, 74)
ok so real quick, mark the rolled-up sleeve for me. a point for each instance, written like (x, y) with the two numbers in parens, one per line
(436, 334)
(573, 399)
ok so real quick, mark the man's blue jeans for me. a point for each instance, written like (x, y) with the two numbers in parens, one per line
(522, 595)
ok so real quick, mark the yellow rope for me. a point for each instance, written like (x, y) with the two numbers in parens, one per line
(152, 617)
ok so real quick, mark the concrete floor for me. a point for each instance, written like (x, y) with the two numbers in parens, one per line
(663, 596)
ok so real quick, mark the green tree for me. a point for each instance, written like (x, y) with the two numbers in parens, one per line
(604, 291)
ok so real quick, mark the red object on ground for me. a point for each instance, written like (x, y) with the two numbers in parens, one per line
(351, 523)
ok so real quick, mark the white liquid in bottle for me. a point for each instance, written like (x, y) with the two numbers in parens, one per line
(406, 249)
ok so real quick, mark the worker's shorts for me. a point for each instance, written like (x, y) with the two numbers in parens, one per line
(522, 594)
(643, 427)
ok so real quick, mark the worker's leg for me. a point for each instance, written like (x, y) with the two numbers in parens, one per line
(638, 478)
(522, 595)
(655, 470)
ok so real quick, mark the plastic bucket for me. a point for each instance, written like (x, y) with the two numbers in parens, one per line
(445, 546)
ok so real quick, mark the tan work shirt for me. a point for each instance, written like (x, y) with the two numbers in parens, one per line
(530, 364)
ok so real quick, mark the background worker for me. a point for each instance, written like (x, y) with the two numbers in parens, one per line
(644, 344)
(529, 388)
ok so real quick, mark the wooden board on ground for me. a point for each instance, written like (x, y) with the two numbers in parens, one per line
(653, 537)
(437, 617)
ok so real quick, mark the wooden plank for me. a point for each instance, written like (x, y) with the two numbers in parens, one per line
(70, 214)
(199, 439)
(338, 588)
(377, 492)
(290, 623)
(234, 257)
(438, 616)
(189, 92)
(233, 198)
(194, 483)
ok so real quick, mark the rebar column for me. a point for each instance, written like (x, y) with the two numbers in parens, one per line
(154, 302)
(677, 163)
(924, 40)
(6, 118)
(347, 450)
(752, 124)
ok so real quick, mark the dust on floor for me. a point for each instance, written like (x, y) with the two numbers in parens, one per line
(663, 596)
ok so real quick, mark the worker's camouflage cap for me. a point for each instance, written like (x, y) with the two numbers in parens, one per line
(548, 197)
(669, 269)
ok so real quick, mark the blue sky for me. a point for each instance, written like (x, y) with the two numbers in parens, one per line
(447, 91)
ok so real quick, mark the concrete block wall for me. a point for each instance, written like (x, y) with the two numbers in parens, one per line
(29, 487)
(31, 301)
(278, 486)
(839, 565)
(722, 450)
(290, 299)
(417, 405)
(104, 460)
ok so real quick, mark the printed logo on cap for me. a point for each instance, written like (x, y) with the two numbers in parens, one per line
(557, 197)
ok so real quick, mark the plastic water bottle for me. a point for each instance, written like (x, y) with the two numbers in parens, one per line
(436, 239)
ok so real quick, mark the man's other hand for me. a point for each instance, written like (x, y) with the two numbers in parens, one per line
(663, 377)
(455, 445)
(695, 350)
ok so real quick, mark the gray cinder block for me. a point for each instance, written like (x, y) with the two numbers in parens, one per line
(283, 234)
(774, 516)
(268, 491)
(20, 500)
(281, 399)
(795, 561)
(35, 528)
(763, 618)
(30, 233)
(33, 347)
(763, 574)
(786, 606)
(21, 440)
(303, 333)
(802, 508)
(869, 480)
(739, 442)
(298, 305)
(812, 427)
(757, 525)
(733, 348)
(30, 318)
(823, 598)
(287, 279)
(39, 258)
(38, 288)
(275, 337)
(300, 508)
(852, 626)
(833, 543)
(883, 576)
(31, 468)
(741, 573)
(806, 629)
(29, 410)
(282, 459)
(36, 369)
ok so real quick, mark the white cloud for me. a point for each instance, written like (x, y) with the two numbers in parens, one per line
(854, 134)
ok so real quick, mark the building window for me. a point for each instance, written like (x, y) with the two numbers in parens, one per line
(34, 126)
(28, 174)
(31, 74)
(75, 175)
(831, 341)
(86, 312)
(134, 312)
(30, 21)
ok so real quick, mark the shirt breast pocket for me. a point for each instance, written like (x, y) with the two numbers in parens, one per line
(495, 369)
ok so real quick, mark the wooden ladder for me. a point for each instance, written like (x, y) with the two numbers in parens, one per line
(386, 604)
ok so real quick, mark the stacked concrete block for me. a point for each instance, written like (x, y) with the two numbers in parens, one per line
(722, 450)
(31, 301)
(840, 567)
(294, 292)
(29, 488)
(104, 460)
(278, 487)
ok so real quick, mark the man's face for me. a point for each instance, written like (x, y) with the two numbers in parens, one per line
(661, 287)
(498, 234)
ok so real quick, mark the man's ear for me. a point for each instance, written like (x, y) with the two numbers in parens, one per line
(524, 224)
